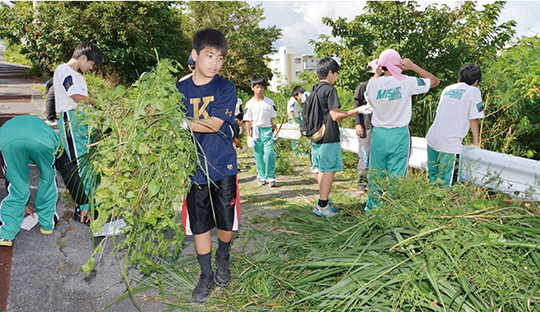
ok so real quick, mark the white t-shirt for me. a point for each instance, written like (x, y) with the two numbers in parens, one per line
(292, 106)
(185, 77)
(238, 108)
(459, 104)
(260, 113)
(67, 82)
(392, 99)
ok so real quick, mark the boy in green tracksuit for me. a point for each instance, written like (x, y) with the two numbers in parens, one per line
(391, 97)
(69, 90)
(27, 139)
(258, 116)
(459, 109)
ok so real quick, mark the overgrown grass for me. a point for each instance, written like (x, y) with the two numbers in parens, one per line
(13, 55)
(425, 249)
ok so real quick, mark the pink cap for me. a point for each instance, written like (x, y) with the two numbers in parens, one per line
(390, 59)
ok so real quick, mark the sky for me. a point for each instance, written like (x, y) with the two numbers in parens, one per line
(301, 21)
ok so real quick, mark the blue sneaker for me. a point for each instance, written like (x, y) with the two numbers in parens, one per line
(324, 212)
(331, 208)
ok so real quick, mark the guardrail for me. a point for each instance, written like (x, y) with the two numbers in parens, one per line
(512, 175)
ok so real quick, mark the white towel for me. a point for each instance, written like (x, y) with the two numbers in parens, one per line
(255, 133)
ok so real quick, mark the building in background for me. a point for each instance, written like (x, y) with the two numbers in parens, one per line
(286, 65)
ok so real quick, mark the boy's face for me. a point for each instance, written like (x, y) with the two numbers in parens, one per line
(331, 77)
(85, 64)
(208, 62)
(258, 90)
(298, 97)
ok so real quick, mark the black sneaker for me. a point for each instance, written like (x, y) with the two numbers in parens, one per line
(201, 293)
(223, 270)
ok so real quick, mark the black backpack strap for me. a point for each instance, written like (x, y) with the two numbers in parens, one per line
(319, 100)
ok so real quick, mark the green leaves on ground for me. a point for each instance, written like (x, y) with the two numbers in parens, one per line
(425, 249)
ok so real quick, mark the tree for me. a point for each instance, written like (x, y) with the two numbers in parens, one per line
(248, 42)
(511, 91)
(438, 39)
(129, 34)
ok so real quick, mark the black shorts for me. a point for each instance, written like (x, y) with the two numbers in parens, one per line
(212, 205)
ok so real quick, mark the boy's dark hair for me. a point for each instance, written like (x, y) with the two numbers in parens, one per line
(296, 90)
(325, 66)
(211, 38)
(240, 116)
(469, 74)
(258, 79)
(90, 50)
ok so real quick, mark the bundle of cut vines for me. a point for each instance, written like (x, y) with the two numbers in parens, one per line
(141, 162)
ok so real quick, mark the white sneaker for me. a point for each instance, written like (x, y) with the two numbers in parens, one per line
(52, 123)
(262, 182)
(271, 182)
(324, 212)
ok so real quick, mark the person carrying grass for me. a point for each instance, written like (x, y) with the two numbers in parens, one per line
(69, 90)
(209, 102)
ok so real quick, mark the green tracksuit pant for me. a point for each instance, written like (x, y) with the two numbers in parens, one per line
(294, 143)
(388, 158)
(23, 140)
(75, 140)
(265, 155)
(443, 168)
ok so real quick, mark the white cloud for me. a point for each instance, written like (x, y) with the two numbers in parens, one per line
(526, 14)
(301, 21)
(313, 12)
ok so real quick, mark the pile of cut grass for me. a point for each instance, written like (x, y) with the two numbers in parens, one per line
(425, 249)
